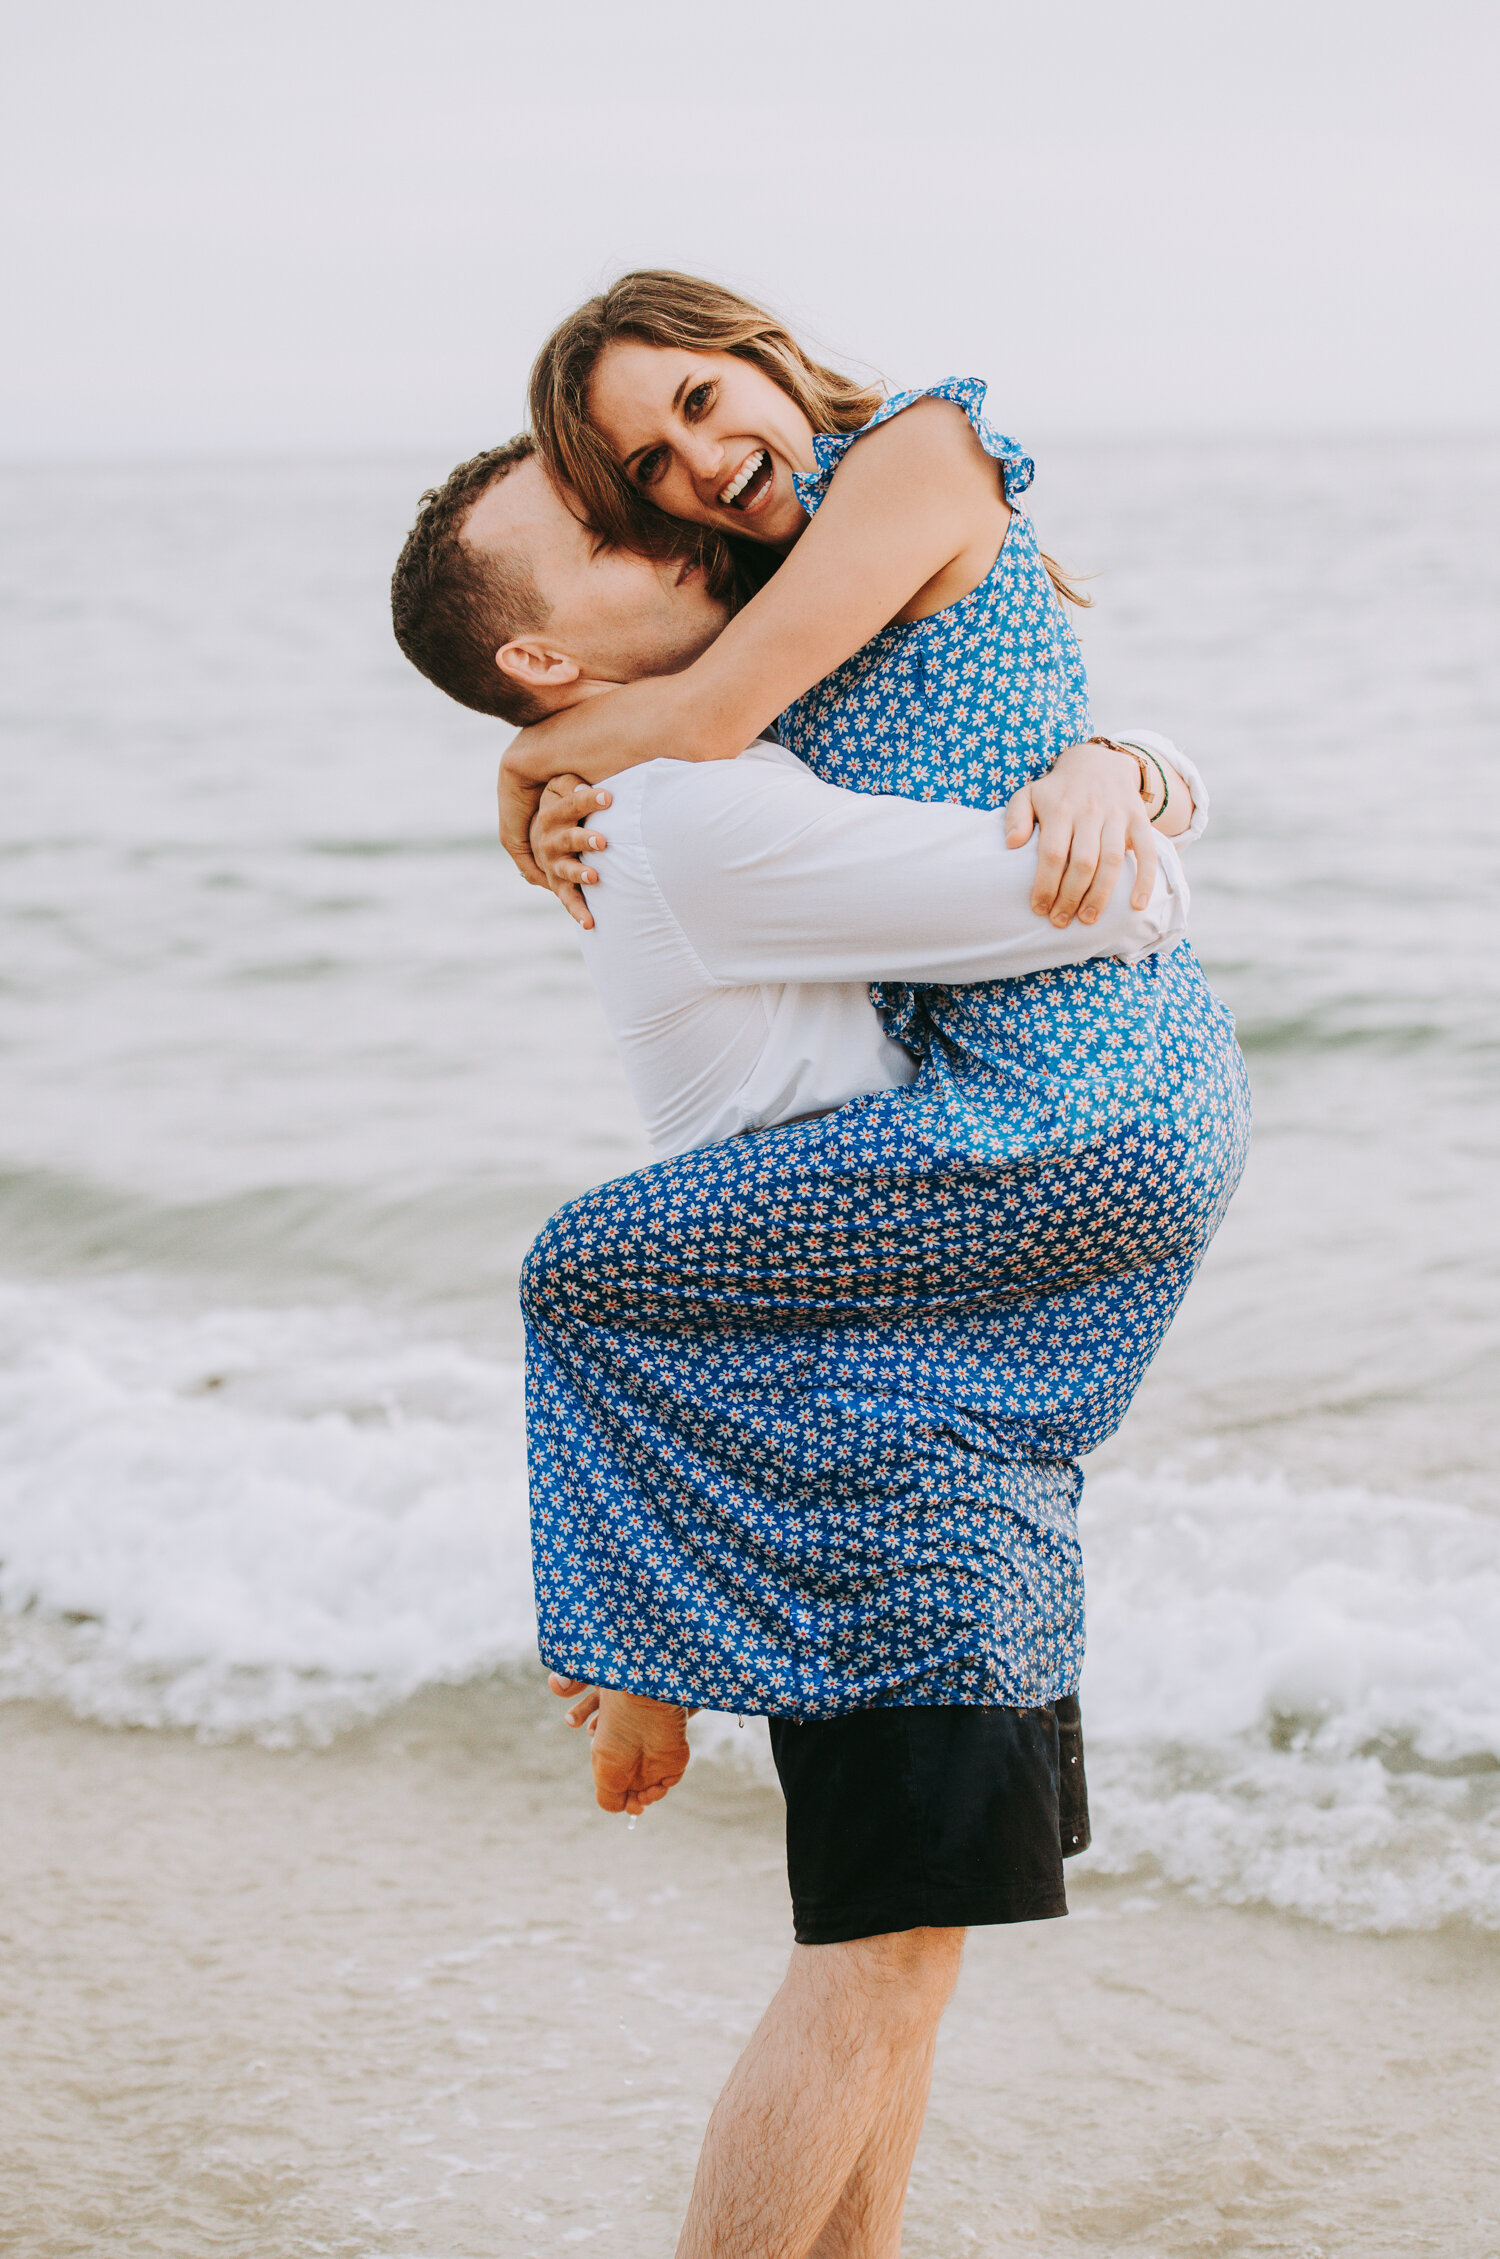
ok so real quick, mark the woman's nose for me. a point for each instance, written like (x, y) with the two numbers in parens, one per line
(703, 456)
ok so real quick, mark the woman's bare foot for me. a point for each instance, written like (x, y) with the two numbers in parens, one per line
(581, 1712)
(640, 1750)
(640, 1747)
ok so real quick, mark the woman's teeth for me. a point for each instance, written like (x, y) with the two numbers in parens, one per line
(742, 478)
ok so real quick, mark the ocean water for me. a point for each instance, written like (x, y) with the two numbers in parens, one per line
(294, 1067)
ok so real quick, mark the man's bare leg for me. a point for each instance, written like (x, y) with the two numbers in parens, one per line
(810, 2144)
(865, 2223)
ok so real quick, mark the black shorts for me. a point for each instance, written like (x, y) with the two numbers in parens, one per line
(946, 1817)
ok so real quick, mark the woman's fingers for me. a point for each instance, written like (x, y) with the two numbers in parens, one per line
(1106, 872)
(1020, 817)
(1142, 840)
(1054, 844)
(1083, 862)
(558, 839)
(567, 878)
(518, 802)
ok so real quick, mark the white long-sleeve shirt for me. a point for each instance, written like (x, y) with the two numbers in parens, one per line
(742, 907)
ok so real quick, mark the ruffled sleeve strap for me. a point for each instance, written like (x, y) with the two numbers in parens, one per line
(966, 393)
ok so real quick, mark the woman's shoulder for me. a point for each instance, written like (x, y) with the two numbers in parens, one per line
(965, 393)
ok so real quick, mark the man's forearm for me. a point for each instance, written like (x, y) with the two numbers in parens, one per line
(777, 877)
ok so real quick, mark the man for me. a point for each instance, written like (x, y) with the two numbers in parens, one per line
(742, 909)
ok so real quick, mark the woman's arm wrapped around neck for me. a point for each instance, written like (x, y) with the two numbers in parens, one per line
(904, 504)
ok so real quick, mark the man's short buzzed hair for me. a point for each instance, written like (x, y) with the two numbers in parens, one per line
(453, 606)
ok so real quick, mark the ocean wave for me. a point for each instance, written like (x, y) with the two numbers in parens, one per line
(1362, 1028)
(252, 1521)
(1293, 1696)
(316, 1240)
(277, 1521)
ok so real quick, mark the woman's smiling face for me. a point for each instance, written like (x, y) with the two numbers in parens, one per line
(705, 436)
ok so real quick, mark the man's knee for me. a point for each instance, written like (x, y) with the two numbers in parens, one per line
(900, 1983)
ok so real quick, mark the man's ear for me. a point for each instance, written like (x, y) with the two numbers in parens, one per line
(537, 664)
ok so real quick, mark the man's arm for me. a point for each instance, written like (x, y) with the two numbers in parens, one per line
(1080, 845)
(773, 876)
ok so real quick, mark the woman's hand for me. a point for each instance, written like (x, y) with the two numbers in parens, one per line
(1090, 813)
(519, 800)
(596, 738)
(561, 831)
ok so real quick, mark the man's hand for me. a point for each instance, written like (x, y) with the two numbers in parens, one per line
(1090, 812)
(560, 833)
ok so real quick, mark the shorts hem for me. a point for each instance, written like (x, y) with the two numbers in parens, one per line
(887, 1918)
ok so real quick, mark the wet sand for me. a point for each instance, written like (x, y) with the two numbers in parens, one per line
(412, 1995)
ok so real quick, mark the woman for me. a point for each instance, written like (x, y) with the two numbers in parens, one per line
(806, 1408)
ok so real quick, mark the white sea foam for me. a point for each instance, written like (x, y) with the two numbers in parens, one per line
(1293, 1696)
(252, 1520)
(275, 1521)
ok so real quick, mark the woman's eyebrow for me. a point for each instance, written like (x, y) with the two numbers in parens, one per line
(650, 443)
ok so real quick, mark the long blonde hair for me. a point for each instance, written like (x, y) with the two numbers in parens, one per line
(657, 307)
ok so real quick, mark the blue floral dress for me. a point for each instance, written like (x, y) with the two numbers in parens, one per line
(805, 1409)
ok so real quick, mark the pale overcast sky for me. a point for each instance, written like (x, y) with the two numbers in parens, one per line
(346, 224)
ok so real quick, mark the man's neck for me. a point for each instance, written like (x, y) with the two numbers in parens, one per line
(586, 686)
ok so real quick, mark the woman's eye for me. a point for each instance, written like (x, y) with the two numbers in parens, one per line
(650, 467)
(697, 401)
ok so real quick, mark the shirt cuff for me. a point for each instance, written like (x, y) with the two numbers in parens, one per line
(1189, 770)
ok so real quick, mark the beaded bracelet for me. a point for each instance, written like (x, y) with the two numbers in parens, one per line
(1142, 754)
